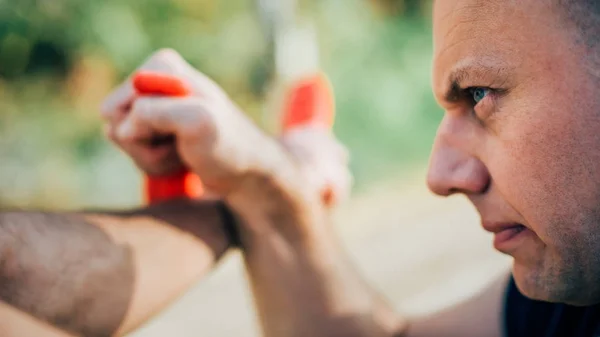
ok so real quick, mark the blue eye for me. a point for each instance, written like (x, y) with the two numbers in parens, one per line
(479, 93)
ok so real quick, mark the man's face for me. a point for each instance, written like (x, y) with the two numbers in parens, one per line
(521, 138)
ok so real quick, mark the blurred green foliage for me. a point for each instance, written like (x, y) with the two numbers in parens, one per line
(58, 58)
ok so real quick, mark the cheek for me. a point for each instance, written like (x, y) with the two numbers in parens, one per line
(546, 156)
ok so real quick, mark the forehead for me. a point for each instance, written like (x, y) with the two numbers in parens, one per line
(501, 34)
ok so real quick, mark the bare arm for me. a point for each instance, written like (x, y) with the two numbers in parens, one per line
(98, 274)
(304, 286)
(479, 316)
(302, 283)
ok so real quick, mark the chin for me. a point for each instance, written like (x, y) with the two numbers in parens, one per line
(554, 286)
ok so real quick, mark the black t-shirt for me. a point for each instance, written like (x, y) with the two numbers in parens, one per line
(528, 318)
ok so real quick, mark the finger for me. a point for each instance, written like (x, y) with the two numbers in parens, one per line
(132, 129)
(151, 116)
(340, 185)
(170, 62)
(316, 148)
(210, 195)
(167, 60)
(202, 84)
(116, 105)
(152, 160)
(324, 159)
(333, 178)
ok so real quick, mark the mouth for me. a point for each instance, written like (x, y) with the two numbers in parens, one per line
(506, 236)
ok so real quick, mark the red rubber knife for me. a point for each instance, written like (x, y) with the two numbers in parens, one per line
(309, 101)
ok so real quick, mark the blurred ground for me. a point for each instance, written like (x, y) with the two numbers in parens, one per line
(421, 252)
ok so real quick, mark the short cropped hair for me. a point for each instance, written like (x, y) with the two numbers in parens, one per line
(585, 15)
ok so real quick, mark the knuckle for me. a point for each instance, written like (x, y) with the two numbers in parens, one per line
(167, 54)
(142, 107)
(138, 108)
(200, 126)
(138, 105)
(168, 58)
(162, 60)
(124, 139)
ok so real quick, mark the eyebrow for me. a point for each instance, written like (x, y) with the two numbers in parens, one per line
(454, 88)
(495, 75)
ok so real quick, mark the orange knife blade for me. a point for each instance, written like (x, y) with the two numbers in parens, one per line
(311, 102)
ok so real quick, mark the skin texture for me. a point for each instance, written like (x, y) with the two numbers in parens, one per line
(275, 192)
(526, 153)
(102, 273)
(56, 268)
(217, 141)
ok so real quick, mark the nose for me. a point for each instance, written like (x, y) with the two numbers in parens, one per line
(454, 170)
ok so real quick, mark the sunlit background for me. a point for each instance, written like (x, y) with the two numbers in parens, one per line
(59, 58)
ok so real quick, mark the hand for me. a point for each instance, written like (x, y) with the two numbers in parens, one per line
(134, 121)
(215, 140)
(323, 159)
(153, 159)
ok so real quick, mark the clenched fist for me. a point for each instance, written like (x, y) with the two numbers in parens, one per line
(234, 158)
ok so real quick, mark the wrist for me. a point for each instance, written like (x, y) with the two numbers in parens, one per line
(288, 219)
(203, 219)
(272, 197)
(230, 225)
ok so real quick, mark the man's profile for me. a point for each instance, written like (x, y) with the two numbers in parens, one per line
(520, 137)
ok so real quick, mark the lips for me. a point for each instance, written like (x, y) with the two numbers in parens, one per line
(505, 234)
(497, 227)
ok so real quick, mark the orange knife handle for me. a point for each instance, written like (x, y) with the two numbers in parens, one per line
(181, 184)
(159, 84)
(310, 102)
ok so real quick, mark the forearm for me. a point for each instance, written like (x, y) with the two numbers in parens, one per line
(306, 287)
(100, 274)
(16, 323)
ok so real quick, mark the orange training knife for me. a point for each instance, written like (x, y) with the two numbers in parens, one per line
(182, 183)
(310, 101)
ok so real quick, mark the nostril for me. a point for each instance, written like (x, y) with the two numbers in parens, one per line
(487, 185)
(436, 184)
(452, 191)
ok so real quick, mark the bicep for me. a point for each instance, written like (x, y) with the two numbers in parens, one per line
(479, 316)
